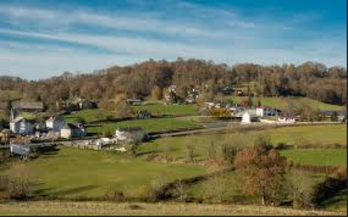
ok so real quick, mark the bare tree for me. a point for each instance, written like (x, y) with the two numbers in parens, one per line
(302, 188)
(190, 153)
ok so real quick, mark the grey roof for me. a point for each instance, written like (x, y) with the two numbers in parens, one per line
(27, 105)
(70, 126)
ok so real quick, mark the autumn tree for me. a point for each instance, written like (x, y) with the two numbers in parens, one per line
(261, 169)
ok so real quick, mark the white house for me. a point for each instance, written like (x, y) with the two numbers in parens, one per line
(71, 130)
(20, 125)
(246, 118)
(249, 117)
(130, 134)
(55, 123)
(260, 112)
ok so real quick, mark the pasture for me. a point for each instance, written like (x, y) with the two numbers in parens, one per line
(316, 135)
(317, 157)
(89, 115)
(71, 173)
(163, 109)
(280, 102)
(149, 125)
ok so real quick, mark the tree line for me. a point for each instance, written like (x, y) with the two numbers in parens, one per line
(152, 78)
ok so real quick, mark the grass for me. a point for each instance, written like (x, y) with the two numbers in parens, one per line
(89, 115)
(72, 173)
(280, 102)
(150, 125)
(162, 109)
(317, 135)
(46, 208)
(155, 108)
(317, 157)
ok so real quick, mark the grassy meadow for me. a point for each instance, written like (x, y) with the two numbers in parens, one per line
(89, 115)
(149, 125)
(317, 157)
(317, 135)
(280, 102)
(163, 109)
(71, 173)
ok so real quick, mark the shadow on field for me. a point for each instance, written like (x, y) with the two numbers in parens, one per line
(76, 190)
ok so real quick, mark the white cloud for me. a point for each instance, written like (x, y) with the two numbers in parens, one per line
(233, 39)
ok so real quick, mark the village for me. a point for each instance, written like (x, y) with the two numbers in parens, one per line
(23, 133)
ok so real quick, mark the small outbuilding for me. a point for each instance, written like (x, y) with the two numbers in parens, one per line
(130, 134)
(72, 131)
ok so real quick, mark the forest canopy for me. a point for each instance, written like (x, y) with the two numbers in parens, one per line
(310, 79)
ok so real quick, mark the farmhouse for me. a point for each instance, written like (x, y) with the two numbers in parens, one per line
(267, 112)
(20, 125)
(248, 117)
(130, 134)
(27, 106)
(72, 131)
(55, 123)
(87, 104)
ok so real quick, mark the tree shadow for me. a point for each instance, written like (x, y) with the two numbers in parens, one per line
(76, 190)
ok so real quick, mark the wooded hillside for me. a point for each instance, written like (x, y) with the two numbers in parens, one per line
(314, 80)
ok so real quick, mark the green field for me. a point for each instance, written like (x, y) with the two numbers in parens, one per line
(280, 102)
(317, 157)
(155, 109)
(89, 115)
(149, 125)
(73, 172)
(162, 109)
(317, 135)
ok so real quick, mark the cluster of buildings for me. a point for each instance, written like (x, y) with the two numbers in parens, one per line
(54, 127)
(248, 115)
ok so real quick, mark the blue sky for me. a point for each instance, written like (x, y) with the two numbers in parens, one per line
(39, 39)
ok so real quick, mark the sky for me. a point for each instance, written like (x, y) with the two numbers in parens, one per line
(44, 38)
